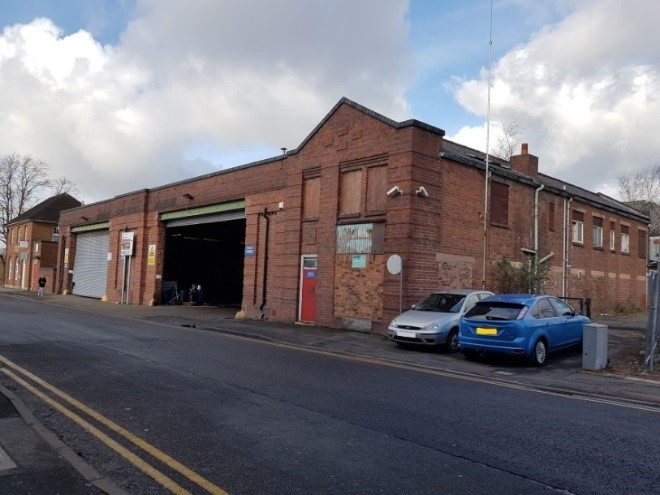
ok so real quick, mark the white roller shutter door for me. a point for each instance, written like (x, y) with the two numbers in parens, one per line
(90, 267)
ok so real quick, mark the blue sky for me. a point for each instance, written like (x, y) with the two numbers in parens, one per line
(123, 94)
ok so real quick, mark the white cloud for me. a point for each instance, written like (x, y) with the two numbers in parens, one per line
(194, 75)
(584, 90)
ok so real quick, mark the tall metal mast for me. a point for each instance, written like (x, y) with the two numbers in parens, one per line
(487, 175)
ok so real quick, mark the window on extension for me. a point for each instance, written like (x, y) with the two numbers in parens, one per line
(597, 232)
(578, 227)
(625, 239)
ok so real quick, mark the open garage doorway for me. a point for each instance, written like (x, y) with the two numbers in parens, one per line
(210, 255)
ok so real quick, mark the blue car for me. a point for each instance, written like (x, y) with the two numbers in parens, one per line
(525, 325)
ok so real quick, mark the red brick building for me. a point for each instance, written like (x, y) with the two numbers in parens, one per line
(32, 239)
(306, 236)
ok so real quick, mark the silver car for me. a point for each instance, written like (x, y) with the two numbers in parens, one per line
(435, 320)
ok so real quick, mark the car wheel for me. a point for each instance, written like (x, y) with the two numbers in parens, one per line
(452, 341)
(470, 354)
(540, 353)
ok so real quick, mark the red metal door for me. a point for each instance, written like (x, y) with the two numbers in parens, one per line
(308, 290)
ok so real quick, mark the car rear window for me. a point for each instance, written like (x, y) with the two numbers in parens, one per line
(495, 311)
(445, 303)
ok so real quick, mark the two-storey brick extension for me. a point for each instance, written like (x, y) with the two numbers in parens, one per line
(307, 235)
(32, 244)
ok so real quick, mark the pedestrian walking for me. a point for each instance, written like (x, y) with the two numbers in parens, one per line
(42, 286)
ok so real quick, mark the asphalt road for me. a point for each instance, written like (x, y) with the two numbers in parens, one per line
(253, 417)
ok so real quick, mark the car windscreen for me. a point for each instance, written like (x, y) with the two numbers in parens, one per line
(495, 311)
(443, 303)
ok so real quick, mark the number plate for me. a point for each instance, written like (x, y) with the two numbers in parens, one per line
(406, 333)
(486, 331)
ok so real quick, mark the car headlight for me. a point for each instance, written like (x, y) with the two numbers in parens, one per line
(393, 323)
(432, 327)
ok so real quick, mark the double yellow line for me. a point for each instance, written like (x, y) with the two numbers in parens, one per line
(13, 371)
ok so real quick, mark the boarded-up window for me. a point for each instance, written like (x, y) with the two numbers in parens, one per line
(368, 238)
(499, 203)
(350, 192)
(641, 243)
(376, 189)
(312, 197)
(551, 217)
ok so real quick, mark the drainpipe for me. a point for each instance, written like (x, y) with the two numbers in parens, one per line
(536, 234)
(61, 273)
(266, 216)
(564, 278)
(536, 218)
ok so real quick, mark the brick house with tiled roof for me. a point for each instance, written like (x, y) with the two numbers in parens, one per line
(32, 244)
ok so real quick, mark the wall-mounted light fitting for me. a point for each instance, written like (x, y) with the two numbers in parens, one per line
(422, 192)
(187, 196)
(395, 191)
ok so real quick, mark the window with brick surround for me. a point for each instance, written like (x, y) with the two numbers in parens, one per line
(350, 188)
(612, 236)
(625, 239)
(597, 232)
(499, 203)
(311, 197)
(641, 244)
(578, 227)
(551, 216)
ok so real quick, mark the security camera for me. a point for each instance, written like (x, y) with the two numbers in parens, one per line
(395, 191)
(421, 191)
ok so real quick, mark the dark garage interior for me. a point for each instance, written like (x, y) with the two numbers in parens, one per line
(210, 255)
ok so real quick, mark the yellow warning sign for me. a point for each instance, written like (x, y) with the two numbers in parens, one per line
(151, 259)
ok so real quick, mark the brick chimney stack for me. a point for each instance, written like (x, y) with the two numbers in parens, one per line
(525, 163)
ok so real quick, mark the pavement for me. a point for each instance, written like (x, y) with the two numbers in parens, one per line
(34, 461)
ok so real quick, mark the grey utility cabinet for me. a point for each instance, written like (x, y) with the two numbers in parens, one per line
(594, 346)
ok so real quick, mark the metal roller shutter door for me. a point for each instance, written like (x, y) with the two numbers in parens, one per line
(90, 267)
(198, 220)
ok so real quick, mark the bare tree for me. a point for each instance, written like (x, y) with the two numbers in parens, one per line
(63, 185)
(642, 186)
(509, 141)
(21, 179)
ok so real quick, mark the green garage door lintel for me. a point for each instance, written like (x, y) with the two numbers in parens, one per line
(203, 210)
(88, 228)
